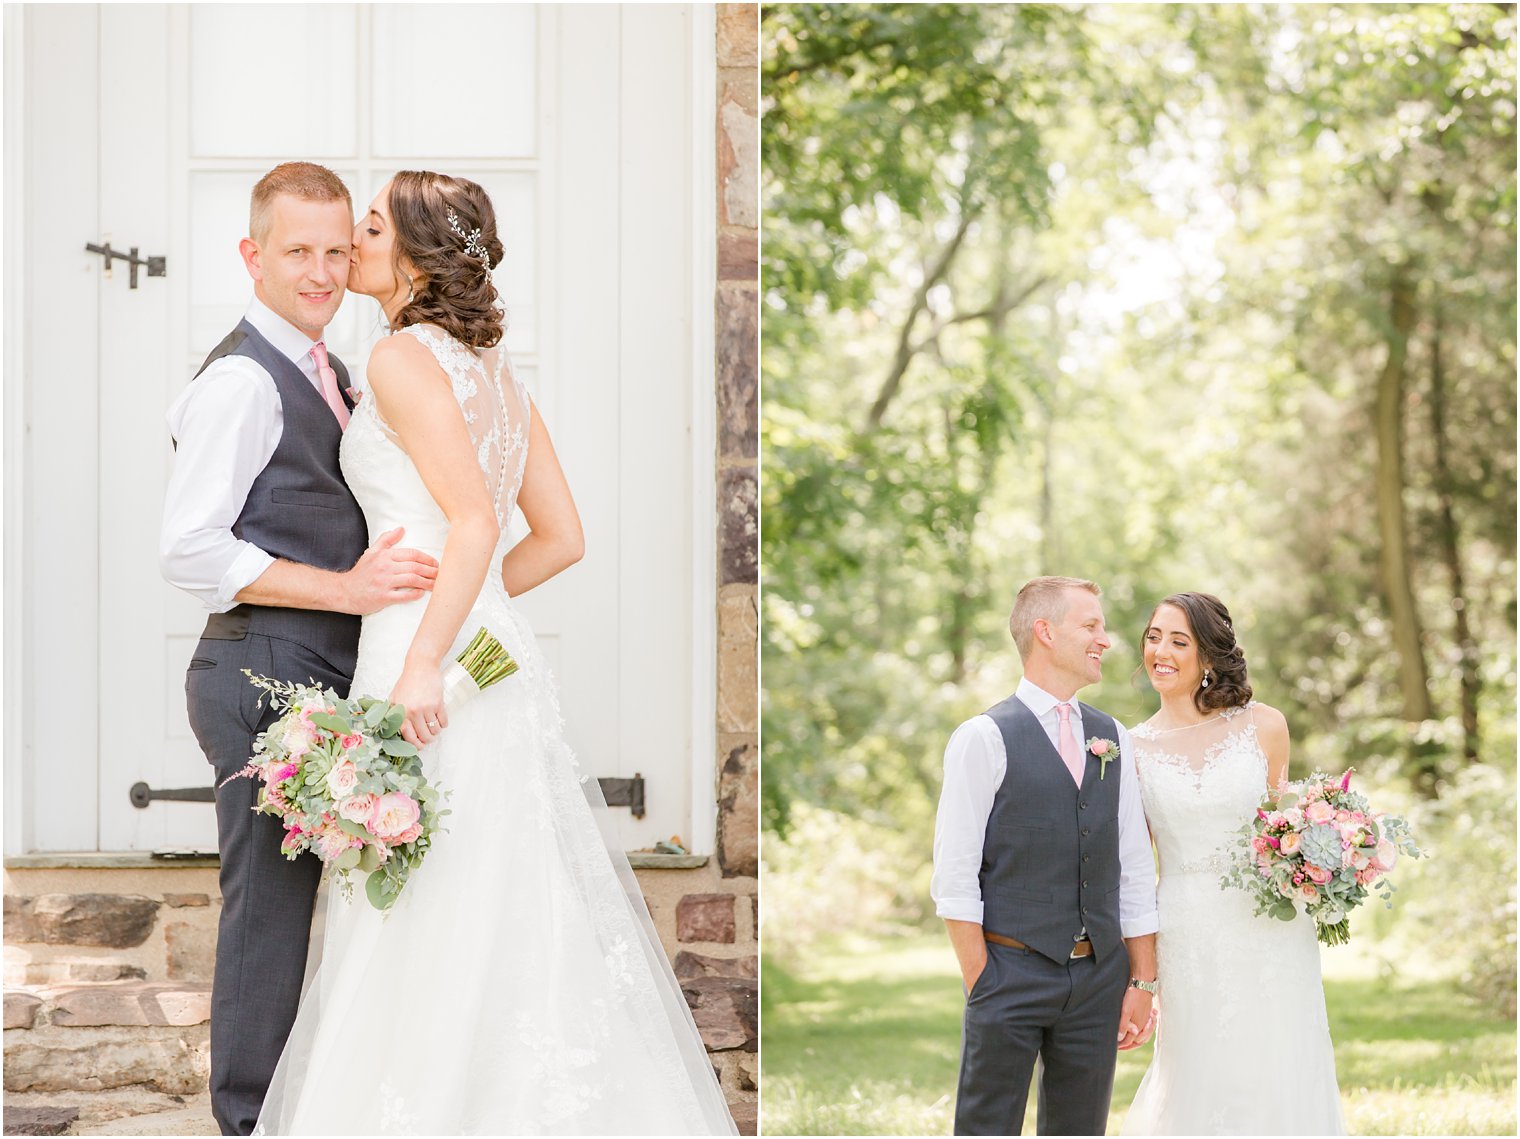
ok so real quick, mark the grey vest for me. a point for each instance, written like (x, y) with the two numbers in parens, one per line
(1050, 860)
(299, 508)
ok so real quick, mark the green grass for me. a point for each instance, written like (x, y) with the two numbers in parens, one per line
(862, 1038)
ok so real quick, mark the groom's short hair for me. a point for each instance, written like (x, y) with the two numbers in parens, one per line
(305, 180)
(1042, 599)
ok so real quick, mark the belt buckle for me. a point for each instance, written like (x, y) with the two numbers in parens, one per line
(1080, 941)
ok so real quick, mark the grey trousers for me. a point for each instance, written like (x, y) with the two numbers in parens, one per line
(1065, 1015)
(266, 898)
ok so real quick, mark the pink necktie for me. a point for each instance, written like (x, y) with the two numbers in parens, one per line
(1067, 744)
(329, 384)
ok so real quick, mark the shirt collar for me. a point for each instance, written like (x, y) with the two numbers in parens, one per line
(287, 339)
(1040, 702)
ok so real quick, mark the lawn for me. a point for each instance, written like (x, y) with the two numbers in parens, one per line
(862, 1038)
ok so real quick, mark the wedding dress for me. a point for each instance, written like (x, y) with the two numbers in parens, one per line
(517, 986)
(1243, 1042)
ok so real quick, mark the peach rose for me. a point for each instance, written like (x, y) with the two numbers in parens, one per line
(1316, 874)
(299, 737)
(1291, 842)
(1308, 892)
(332, 843)
(357, 808)
(393, 816)
(342, 779)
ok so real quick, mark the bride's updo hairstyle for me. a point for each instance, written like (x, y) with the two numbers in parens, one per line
(454, 289)
(1214, 636)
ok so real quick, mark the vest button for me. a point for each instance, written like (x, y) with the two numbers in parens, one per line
(1084, 883)
(1083, 806)
(1085, 857)
(1086, 831)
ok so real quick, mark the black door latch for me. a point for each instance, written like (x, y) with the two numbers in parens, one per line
(155, 265)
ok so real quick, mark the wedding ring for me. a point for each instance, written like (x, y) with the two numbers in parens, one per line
(432, 723)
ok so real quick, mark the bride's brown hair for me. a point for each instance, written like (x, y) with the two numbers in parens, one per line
(1218, 651)
(454, 289)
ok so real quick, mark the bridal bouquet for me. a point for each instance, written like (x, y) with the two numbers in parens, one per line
(347, 786)
(1318, 844)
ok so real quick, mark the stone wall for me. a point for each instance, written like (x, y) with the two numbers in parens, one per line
(725, 911)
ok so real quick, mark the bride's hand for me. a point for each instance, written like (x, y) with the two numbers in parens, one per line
(421, 690)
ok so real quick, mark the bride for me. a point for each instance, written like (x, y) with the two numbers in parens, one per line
(517, 986)
(1240, 995)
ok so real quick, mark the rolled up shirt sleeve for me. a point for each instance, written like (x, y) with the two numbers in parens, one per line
(226, 427)
(975, 763)
(1138, 914)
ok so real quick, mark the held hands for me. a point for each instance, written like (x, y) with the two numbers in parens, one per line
(421, 690)
(386, 575)
(1137, 1020)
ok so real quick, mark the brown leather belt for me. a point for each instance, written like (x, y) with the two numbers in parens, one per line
(1082, 948)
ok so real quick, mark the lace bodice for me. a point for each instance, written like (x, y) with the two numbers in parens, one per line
(1200, 785)
(497, 413)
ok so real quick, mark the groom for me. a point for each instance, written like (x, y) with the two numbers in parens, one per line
(1043, 874)
(260, 526)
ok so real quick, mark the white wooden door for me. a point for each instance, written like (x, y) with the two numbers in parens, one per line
(565, 116)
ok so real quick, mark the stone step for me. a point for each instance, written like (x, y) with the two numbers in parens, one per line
(118, 1111)
(23, 969)
(108, 1035)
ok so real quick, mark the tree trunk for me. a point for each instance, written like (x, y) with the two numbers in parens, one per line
(1392, 530)
(1467, 648)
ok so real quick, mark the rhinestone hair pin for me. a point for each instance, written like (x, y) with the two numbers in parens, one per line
(473, 246)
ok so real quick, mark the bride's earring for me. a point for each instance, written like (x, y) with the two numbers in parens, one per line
(1205, 678)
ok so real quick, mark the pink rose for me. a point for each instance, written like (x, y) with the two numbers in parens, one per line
(342, 778)
(1308, 892)
(1316, 874)
(411, 834)
(1319, 811)
(352, 741)
(1343, 816)
(357, 808)
(1387, 855)
(1291, 842)
(1369, 875)
(393, 815)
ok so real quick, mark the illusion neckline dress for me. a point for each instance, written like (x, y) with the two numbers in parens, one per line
(1243, 1041)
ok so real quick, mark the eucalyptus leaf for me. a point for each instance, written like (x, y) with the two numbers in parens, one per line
(397, 747)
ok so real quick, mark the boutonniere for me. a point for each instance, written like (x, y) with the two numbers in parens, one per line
(1105, 751)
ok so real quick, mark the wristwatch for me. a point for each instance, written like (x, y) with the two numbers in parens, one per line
(1147, 986)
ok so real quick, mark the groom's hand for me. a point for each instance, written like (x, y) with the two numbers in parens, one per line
(386, 575)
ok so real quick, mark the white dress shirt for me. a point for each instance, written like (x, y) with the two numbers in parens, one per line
(975, 763)
(226, 426)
